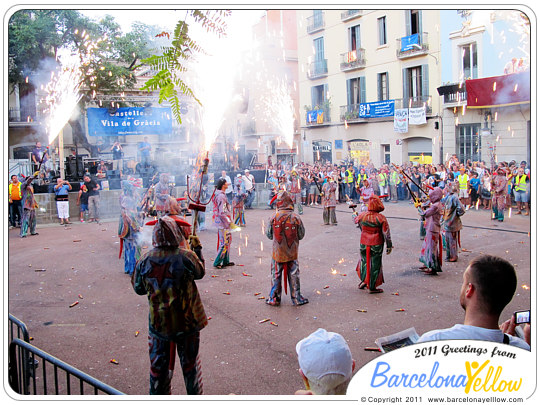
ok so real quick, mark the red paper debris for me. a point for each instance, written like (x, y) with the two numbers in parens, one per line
(245, 274)
(75, 303)
(114, 361)
(372, 349)
(400, 310)
(227, 293)
(137, 333)
(396, 293)
(264, 320)
(273, 323)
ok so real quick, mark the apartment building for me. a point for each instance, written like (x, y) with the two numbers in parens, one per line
(359, 70)
(486, 90)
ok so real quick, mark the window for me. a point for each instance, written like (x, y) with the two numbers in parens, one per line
(469, 61)
(382, 86)
(469, 142)
(386, 154)
(354, 38)
(317, 18)
(318, 45)
(413, 22)
(356, 90)
(381, 24)
(318, 96)
(415, 85)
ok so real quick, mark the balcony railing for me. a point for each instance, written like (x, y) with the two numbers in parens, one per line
(350, 14)
(459, 97)
(412, 45)
(21, 115)
(315, 23)
(351, 112)
(415, 102)
(318, 116)
(353, 60)
(317, 69)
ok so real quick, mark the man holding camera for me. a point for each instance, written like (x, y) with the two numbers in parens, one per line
(61, 190)
(489, 283)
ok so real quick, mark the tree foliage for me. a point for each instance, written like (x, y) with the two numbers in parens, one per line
(171, 63)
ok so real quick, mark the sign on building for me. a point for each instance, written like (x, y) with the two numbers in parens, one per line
(129, 121)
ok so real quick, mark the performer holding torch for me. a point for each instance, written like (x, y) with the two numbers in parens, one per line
(223, 221)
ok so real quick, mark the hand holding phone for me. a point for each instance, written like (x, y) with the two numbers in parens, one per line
(521, 317)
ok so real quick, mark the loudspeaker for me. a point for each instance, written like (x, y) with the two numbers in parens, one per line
(436, 125)
(273, 143)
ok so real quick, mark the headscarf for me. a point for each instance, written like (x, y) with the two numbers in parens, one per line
(375, 204)
(166, 233)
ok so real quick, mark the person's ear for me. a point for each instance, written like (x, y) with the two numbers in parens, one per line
(470, 290)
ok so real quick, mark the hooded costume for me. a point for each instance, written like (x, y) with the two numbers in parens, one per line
(375, 233)
(286, 229)
(329, 202)
(238, 205)
(129, 226)
(451, 223)
(167, 274)
(500, 191)
(222, 220)
(431, 253)
(29, 205)
(162, 193)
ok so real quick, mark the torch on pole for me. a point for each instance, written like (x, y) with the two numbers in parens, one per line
(196, 204)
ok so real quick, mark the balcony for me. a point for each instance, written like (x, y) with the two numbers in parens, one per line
(350, 14)
(318, 69)
(349, 113)
(412, 45)
(24, 116)
(415, 102)
(315, 23)
(353, 60)
(453, 94)
(318, 116)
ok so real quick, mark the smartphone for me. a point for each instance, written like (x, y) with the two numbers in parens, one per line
(522, 317)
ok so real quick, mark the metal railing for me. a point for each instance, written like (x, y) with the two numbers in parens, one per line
(353, 59)
(420, 48)
(415, 102)
(23, 365)
(315, 23)
(317, 69)
(349, 14)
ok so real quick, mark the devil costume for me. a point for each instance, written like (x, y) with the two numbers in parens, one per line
(167, 274)
(375, 233)
(129, 226)
(29, 205)
(222, 220)
(329, 203)
(238, 206)
(500, 191)
(451, 223)
(431, 253)
(286, 229)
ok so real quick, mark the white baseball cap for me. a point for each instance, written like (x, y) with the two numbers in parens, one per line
(323, 353)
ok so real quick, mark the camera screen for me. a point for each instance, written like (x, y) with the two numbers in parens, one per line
(523, 317)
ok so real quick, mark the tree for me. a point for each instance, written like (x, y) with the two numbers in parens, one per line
(171, 64)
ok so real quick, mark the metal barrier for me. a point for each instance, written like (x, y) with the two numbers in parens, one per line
(55, 376)
(22, 330)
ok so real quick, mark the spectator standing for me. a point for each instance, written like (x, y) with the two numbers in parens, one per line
(521, 194)
(474, 182)
(393, 182)
(326, 363)
(230, 189)
(167, 274)
(144, 149)
(489, 283)
(82, 202)
(61, 190)
(117, 155)
(249, 186)
(15, 199)
(93, 198)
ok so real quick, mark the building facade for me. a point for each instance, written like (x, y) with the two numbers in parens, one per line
(357, 70)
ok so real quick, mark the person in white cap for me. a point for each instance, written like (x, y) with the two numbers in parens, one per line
(249, 185)
(326, 363)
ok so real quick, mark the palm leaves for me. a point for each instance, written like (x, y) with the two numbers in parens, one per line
(170, 66)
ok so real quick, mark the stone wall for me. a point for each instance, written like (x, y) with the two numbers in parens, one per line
(109, 207)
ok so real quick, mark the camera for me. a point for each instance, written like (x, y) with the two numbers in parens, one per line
(522, 317)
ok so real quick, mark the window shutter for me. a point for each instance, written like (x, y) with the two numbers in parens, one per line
(425, 80)
(420, 26)
(358, 41)
(362, 89)
(387, 86)
(405, 88)
(313, 96)
(407, 22)
(379, 86)
(349, 93)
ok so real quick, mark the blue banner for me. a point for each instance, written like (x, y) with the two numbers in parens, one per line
(377, 109)
(315, 116)
(407, 43)
(129, 121)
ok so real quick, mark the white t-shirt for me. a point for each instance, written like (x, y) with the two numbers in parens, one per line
(470, 332)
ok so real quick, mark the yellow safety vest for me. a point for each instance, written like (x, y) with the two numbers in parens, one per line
(361, 178)
(382, 179)
(521, 183)
(350, 176)
(463, 180)
(15, 194)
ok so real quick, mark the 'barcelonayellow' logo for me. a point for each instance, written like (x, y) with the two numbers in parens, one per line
(454, 367)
